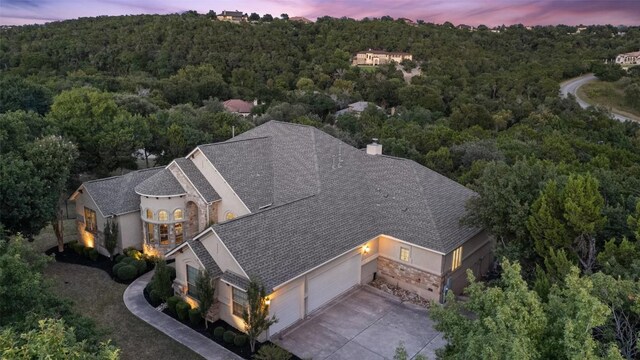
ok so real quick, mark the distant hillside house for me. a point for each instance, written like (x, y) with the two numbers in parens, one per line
(233, 16)
(632, 58)
(377, 57)
(240, 107)
(301, 19)
(356, 108)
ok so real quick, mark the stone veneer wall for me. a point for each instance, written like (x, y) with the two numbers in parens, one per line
(408, 277)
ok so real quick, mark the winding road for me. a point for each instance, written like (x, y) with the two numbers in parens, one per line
(572, 86)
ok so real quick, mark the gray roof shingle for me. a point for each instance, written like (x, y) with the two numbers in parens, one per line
(162, 183)
(330, 197)
(205, 258)
(198, 180)
(236, 280)
(116, 195)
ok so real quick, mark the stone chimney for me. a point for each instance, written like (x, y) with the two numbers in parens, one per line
(374, 148)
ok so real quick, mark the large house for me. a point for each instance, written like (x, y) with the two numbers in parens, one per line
(233, 16)
(377, 57)
(632, 58)
(239, 106)
(302, 211)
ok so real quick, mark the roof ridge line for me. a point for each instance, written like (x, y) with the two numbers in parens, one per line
(118, 176)
(231, 141)
(264, 210)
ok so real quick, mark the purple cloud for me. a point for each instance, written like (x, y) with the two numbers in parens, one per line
(472, 12)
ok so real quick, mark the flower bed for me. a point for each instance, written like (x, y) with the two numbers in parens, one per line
(404, 295)
(240, 348)
(74, 254)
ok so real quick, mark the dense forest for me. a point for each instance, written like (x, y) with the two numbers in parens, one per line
(559, 185)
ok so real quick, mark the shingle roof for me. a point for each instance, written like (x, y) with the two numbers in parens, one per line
(328, 198)
(116, 195)
(238, 281)
(206, 259)
(198, 180)
(238, 105)
(163, 183)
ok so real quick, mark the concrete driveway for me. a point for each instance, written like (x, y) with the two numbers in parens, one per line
(363, 324)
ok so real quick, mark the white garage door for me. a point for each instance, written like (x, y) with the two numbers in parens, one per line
(333, 282)
(287, 307)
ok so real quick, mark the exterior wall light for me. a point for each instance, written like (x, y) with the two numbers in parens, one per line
(366, 249)
(267, 300)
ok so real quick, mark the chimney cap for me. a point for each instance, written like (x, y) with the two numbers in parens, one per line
(375, 140)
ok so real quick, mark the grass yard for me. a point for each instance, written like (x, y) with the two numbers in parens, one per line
(98, 297)
(609, 95)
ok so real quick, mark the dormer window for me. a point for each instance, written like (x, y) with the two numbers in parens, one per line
(178, 215)
(163, 215)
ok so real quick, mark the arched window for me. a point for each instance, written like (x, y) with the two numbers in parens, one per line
(149, 214)
(163, 215)
(177, 214)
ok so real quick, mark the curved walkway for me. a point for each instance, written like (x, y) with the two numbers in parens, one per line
(136, 303)
(571, 87)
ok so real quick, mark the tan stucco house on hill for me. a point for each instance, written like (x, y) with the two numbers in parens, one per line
(304, 212)
(379, 57)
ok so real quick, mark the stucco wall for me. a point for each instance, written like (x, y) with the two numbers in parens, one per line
(130, 229)
(184, 258)
(230, 201)
(220, 254)
(226, 310)
(419, 258)
(86, 237)
(477, 255)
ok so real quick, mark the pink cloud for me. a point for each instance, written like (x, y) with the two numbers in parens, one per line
(472, 12)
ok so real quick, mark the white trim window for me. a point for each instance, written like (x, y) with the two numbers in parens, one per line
(240, 301)
(405, 254)
(456, 259)
(192, 275)
(90, 221)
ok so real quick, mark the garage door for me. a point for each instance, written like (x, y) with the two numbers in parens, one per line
(333, 282)
(287, 307)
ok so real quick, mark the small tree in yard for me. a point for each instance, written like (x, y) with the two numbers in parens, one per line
(206, 291)
(161, 281)
(256, 314)
(110, 236)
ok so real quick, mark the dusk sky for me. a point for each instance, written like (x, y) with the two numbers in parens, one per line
(471, 12)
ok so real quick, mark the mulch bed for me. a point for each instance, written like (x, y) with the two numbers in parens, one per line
(244, 351)
(103, 263)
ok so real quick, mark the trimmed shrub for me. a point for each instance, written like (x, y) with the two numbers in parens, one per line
(127, 272)
(155, 298)
(182, 310)
(229, 336)
(218, 332)
(195, 316)
(272, 352)
(86, 251)
(172, 301)
(128, 260)
(120, 257)
(93, 254)
(172, 272)
(79, 249)
(133, 253)
(140, 265)
(116, 267)
(240, 340)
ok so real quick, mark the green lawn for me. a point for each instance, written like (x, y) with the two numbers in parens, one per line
(96, 296)
(609, 95)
